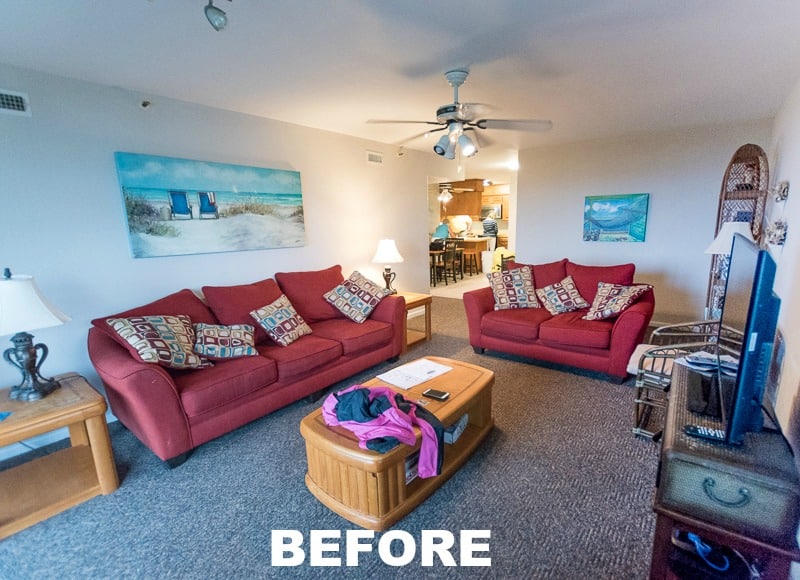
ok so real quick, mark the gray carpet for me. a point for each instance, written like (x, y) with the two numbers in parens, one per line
(561, 482)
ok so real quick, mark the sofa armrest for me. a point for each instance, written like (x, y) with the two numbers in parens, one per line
(392, 309)
(628, 332)
(142, 396)
(476, 304)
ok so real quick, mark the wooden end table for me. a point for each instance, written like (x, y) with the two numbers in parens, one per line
(34, 491)
(375, 490)
(414, 300)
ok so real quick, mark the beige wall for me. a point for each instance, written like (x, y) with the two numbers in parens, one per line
(62, 217)
(681, 170)
(784, 157)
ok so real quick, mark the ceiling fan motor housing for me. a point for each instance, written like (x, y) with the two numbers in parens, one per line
(451, 112)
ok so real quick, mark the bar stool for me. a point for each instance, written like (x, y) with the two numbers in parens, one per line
(470, 261)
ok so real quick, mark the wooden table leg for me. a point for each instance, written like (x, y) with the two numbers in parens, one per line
(103, 456)
(662, 541)
(428, 333)
(78, 435)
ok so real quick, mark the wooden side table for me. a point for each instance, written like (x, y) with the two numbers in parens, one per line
(414, 300)
(34, 491)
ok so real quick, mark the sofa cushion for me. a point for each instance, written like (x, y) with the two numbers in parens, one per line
(217, 341)
(570, 329)
(513, 288)
(587, 277)
(519, 324)
(561, 297)
(612, 299)
(355, 338)
(281, 321)
(165, 340)
(182, 302)
(227, 381)
(306, 290)
(545, 274)
(302, 357)
(233, 304)
(356, 297)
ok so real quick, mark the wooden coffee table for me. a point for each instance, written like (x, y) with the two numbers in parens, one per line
(374, 490)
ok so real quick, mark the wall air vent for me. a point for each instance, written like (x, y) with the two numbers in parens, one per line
(14, 103)
(374, 157)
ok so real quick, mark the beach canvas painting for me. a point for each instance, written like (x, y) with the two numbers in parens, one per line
(615, 218)
(177, 206)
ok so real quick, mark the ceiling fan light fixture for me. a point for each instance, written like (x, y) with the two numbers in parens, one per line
(468, 147)
(441, 145)
(216, 16)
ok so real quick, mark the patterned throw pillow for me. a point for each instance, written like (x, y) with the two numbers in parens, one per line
(356, 297)
(513, 288)
(217, 341)
(613, 299)
(281, 321)
(163, 340)
(561, 297)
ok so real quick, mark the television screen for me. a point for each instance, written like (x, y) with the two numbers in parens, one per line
(751, 310)
(747, 330)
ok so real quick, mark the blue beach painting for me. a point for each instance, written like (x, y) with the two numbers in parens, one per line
(178, 207)
(615, 218)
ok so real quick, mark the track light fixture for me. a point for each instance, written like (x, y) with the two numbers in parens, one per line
(216, 16)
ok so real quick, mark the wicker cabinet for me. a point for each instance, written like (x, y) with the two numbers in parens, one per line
(743, 198)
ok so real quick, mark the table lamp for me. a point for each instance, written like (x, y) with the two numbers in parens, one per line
(24, 308)
(723, 243)
(387, 254)
(721, 248)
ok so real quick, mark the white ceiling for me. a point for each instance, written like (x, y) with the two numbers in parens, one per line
(595, 68)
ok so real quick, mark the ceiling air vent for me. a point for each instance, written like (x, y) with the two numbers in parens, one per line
(13, 103)
(374, 157)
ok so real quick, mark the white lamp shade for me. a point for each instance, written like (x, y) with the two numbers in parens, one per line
(387, 253)
(723, 243)
(23, 308)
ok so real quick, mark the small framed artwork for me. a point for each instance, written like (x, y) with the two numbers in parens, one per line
(615, 218)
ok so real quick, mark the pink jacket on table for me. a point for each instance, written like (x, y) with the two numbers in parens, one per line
(391, 423)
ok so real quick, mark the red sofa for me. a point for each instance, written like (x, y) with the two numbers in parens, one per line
(603, 346)
(173, 411)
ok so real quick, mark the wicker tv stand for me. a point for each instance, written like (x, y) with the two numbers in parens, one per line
(375, 490)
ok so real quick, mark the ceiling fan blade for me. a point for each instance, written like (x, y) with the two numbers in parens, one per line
(474, 110)
(515, 124)
(480, 138)
(418, 135)
(379, 121)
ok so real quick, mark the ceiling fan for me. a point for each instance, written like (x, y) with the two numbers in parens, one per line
(458, 118)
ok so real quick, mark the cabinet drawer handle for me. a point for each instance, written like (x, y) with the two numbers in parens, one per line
(744, 493)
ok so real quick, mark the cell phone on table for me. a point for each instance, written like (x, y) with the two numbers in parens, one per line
(435, 394)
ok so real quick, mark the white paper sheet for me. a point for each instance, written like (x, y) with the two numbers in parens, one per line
(414, 373)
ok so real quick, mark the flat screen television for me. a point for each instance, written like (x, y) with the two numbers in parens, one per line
(751, 309)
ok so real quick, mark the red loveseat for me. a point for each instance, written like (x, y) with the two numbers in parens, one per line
(603, 346)
(173, 411)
